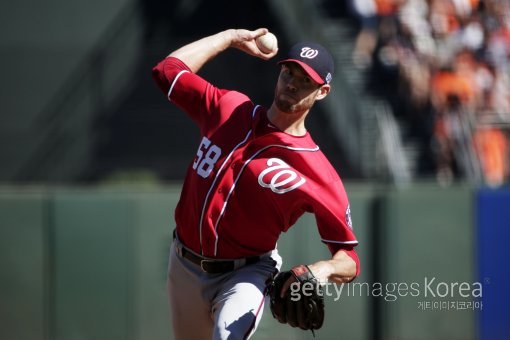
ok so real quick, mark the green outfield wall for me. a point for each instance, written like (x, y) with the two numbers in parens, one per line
(90, 263)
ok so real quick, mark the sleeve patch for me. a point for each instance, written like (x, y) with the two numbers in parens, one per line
(348, 218)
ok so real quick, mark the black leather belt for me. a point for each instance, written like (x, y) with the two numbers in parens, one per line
(212, 266)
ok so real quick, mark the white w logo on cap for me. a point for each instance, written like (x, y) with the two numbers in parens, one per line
(307, 52)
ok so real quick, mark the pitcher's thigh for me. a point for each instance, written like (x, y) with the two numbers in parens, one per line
(238, 311)
(191, 314)
(238, 307)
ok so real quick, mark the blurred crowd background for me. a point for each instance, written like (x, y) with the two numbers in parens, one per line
(422, 88)
(444, 65)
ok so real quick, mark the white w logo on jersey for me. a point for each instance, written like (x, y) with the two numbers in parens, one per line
(280, 177)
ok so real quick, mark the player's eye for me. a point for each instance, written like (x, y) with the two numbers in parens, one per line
(307, 82)
(286, 73)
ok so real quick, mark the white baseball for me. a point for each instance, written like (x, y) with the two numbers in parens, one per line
(267, 43)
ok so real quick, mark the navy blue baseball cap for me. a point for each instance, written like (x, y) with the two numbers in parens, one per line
(314, 58)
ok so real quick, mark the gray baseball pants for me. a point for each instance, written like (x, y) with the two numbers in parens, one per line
(217, 306)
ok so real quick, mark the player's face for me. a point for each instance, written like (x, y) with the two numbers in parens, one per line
(295, 91)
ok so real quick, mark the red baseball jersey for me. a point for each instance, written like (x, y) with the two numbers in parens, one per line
(249, 181)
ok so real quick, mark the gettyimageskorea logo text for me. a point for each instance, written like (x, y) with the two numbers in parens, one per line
(431, 288)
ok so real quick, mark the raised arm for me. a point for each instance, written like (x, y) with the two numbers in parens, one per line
(199, 52)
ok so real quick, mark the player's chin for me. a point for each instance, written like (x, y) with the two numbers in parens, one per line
(285, 105)
(282, 105)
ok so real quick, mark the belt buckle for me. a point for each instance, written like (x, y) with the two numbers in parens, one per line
(202, 265)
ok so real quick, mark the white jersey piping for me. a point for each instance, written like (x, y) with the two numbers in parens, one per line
(204, 205)
(173, 83)
(339, 242)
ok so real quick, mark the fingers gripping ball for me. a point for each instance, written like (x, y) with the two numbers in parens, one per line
(267, 43)
(303, 303)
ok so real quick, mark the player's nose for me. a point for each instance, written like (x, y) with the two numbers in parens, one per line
(292, 84)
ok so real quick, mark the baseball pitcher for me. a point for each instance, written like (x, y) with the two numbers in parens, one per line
(255, 172)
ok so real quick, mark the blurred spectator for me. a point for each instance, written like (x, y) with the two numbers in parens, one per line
(499, 97)
(444, 64)
(493, 149)
(372, 16)
(450, 89)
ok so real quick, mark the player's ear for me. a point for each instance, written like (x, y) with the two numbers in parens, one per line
(323, 91)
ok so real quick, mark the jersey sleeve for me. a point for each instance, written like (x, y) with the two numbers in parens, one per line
(191, 93)
(333, 215)
(332, 212)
